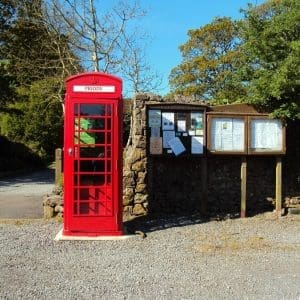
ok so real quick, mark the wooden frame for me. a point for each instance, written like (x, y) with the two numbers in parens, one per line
(210, 142)
(264, 139)
(182, 113)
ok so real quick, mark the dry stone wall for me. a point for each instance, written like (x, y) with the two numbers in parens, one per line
(135, 189)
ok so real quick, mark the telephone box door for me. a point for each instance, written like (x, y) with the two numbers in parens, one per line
(92, 162)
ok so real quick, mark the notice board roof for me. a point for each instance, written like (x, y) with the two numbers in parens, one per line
(176, 105)
(239, 108)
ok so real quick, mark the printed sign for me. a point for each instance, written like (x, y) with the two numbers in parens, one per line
(176, 146)
(227, 134)
(154, 119)
(155, 145)
(167, 136)
(168, 121)
(197, 145)
(94, 88)
(266, 135)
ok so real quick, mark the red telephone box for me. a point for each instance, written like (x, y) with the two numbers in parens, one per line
(93, 155)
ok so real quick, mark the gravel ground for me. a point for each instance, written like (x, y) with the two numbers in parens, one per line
(181, 258)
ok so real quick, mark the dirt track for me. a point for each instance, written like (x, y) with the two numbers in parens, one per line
(21, 197)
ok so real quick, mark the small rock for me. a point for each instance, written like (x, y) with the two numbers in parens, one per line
(138, 209)
(48, 212)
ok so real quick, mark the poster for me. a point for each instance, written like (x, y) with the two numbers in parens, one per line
(176, 146)
(155, 145)
(196, 120)
(155, 131)
(197, 145)
(154, 118)
(227, 134)
(181, 125)
(168, 121)
(199, 131)
(167, 136)
(266, 135)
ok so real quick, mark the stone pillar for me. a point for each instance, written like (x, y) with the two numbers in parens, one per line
(135, 192)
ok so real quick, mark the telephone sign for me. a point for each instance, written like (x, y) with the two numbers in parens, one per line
(93, 155)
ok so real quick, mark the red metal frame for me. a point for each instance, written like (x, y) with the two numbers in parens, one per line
(93, 155)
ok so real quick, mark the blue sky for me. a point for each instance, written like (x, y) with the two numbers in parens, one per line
(168, 21)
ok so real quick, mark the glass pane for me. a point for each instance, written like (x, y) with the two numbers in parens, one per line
(99, 166)
(90, 166)
(89, 124)
(108, 135)
(84, 138)
(82, 194)
(108, 166)
(93, 152)
(91, 110)
(108, 109)
(108, 124)
(108, 152)
(89, 179)
(84, 166)
(108, 178)
(84, 208)
(89, 138)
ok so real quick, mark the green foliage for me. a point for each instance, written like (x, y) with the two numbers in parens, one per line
(255, 60)
(7, 85)
(44, 117)
(37, 122)
(271, 34)
(35, 59)
(211, 57)
(15, 156)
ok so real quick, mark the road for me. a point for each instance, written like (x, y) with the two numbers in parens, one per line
(21, 197)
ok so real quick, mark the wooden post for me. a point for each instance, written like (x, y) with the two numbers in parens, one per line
(243, 186)
(278, 186)
(58, 165)
(204, 185)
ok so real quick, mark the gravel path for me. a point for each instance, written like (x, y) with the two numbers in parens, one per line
(21, 197)
(181, 258)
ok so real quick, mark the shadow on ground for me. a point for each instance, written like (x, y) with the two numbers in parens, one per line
(152, 223)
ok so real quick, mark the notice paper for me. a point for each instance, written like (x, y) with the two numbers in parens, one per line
(168, 121)
(228, 134)
(196, 120)
(266, 135)
(167, 135)
(181, 125)
(154, 118)
(155, 131)
(176, 146)
(155, 145)
(197, 145)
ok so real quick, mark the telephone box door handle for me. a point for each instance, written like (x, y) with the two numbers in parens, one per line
(70, 152)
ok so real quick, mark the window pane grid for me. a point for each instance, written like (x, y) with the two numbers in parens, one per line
(92, 167)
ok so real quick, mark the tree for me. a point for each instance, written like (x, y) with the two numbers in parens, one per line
(105, 40)
(34, 51)
(211, 57)
(43, 117)
(7, 11)
(271, 35)
(37, 61)
(137, 71)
